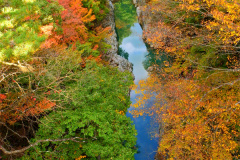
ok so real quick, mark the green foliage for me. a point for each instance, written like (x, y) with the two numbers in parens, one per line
(90, 103)
(208, 56)
(98, 6)
(156, 59)
(123, 53)
(125, 17)
(20, 23)
(71, 101)
(194, 19)
(86, 47)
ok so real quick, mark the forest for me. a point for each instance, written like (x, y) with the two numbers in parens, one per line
(197, 90)
(59, 98)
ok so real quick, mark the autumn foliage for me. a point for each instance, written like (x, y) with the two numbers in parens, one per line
(74, 18)
(67, 24)
(76, 23)
(36, 38)
(23, 108)
(197, 90)
(197, 122)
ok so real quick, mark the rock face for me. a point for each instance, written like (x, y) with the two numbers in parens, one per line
(111, 56)
(143, 14)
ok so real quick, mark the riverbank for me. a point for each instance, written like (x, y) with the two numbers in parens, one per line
(111, 55)
(200, 86)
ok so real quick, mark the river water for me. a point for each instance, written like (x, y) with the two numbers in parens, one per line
(133, 48)
(144, 125)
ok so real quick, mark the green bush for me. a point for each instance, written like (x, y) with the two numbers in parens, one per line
(91, 101)
(20, 23)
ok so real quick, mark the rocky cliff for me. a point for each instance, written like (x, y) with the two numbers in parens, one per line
(111, 56)
(142, 12)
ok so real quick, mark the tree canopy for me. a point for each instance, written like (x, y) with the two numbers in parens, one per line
(58, 98)
(197, 90)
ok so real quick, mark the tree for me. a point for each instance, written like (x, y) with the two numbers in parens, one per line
(91, 114)
(20, 27)
(197, 94)
(60, 75)
(90, 103)
(77, 27)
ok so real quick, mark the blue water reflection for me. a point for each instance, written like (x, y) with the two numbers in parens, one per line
(137, 51)
(144, 125)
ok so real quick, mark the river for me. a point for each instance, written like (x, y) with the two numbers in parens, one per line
(133, 48)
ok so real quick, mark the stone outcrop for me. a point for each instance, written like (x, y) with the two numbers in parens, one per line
(111, 56)
(143, 14)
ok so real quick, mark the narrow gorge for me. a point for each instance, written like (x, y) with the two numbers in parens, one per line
(119, 79)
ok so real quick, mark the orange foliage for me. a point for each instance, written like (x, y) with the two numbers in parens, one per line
(24, 107)
(47, 29)
(197, 96)
(32, 17)
(2, 97)
(52, 40)
(177, 25)
(74, 20)
(199, 121)
(74, 17)
(97, 59)
(81, 157)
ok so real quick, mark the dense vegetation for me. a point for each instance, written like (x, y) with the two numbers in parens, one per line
(58, 98)
(197, 91)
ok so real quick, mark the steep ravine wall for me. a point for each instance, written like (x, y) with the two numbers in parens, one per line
(142, 12)
(112, 56)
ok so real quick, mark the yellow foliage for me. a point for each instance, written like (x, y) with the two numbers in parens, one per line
(81, 157)
(196, 117)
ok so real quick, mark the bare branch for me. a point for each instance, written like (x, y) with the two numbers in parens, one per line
(5, 151)
(26, 68)
(4, 76)
(14, 132)
(224, 84)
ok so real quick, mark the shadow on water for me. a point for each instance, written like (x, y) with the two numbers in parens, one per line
(156, 58)
(132, 47)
